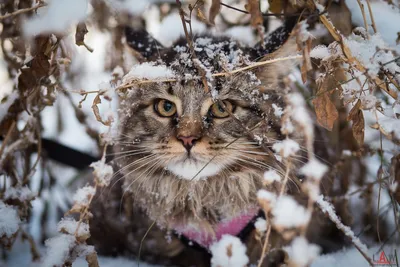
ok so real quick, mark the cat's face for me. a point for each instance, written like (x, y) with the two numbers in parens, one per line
(180, 129)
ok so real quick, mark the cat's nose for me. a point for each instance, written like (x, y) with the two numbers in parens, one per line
(188, 141)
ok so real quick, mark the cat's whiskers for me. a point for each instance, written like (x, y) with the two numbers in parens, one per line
(155, 164)
(148, 157)
(122, 152)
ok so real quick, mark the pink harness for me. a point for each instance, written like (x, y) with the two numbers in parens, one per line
(227, 227)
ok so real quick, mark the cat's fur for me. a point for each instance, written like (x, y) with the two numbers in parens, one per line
(158, 178)
(221, 176)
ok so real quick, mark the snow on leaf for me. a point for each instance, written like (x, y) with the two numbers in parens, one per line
(70, 226)
(287, 213)
(301, 253)
(261, 225)
(58, 249)
(314, 169)
(148, 70)
(9, 220)
(102, 171)
(320, 52)
(286, 148)
(83, 195)
(271, 176)
(229, 252)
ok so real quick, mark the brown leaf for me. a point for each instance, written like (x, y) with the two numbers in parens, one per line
(304, 71)
(326, 111)
(253, 7)
(214, 10)
(96, 111)
(275, 6)
(92, 260)
(80, 33)
(357, 117)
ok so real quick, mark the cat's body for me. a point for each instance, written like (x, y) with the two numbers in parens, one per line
(185, 162)
(218, 177)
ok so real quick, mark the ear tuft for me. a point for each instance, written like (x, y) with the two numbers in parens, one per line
(142, 42)
(275, 40)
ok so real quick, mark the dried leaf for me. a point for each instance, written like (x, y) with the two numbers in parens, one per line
(357, 117)
(96, 111)
(214, 10)
(304, 71)
(92, 260)
(80, 33)
(326, 111)
(253, 7)
(275, 6)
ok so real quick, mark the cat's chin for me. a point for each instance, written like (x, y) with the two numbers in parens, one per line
(193, 170)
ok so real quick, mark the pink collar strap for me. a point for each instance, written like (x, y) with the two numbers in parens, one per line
(232, 226)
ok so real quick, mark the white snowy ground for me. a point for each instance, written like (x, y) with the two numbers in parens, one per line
(91, 66)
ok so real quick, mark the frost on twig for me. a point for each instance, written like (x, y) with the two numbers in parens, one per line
(328, 209)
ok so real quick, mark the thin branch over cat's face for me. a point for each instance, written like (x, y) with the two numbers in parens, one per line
(195, 136)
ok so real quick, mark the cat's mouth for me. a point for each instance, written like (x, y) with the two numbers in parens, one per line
(192, 168)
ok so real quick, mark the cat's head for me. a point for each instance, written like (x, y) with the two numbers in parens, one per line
(180, 129)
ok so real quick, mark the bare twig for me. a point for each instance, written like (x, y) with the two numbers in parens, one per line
(372, 17)
(219, 74)
(190, 43)
(3, 145)
(21, 11)
(364, 16)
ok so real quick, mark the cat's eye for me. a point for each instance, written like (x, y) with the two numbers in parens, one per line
(164, 108)
(217, 111)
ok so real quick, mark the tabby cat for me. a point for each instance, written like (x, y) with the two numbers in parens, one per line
(189, 160)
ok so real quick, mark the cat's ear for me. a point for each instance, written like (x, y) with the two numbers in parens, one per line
(278, 44)
(143, 44)
(275, 40)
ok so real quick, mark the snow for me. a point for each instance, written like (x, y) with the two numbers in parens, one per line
(170, 29)
(372, 53)
(304, 34)
(368, 101)
(102, 171)
(20, 193)
(148, 70)
(320, 52)
(286, 148)
(9, 220)
(261, 225)
(229, 252)
(314, 169)
(70, 225)
(271, 176)
(243, 34)
(56, 17)
(287, 213)
(299, 114)
(266, 195)
(83, 195)
(58, 249)
(386, 19)
(390, 126)
(133, 7)
(301, 253)
(278, 111)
